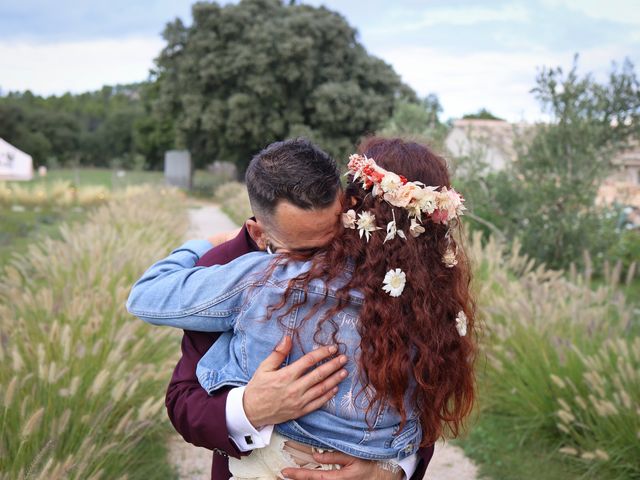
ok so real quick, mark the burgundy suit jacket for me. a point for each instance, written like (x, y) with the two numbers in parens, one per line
(201, 418)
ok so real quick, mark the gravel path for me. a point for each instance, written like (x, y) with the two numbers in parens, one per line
(193, 463)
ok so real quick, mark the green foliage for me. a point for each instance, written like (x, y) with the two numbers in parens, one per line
(242, 76)
(234, 200)
(482, 114)
(547, 197)
(88, 129)
(82, 382)
(560, 360)
(419, 120)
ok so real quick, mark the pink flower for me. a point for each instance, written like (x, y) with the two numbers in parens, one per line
(440, 216)
(403, 195)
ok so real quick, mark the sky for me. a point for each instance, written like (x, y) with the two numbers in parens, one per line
(473, 54)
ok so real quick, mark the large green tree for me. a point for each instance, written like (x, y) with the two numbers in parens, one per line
(242, 76)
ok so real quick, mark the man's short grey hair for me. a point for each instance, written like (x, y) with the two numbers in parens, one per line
(294, 170)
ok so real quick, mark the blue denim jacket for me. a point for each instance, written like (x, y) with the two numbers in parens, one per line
(234, 298)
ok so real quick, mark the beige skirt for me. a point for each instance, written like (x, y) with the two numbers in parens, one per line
(267, 463)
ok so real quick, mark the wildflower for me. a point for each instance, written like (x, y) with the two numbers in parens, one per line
(461, 323)
(394, 282)
(449, 258)
(416, 229)
(390, 182)
(366, 224)
(349, 219)
(392, 230)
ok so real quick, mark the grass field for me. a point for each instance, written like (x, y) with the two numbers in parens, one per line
(82, 381)
(21, 225)
(204, 182)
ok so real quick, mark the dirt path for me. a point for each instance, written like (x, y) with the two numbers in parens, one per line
(193, 463)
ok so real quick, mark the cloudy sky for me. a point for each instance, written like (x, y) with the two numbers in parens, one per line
(471, 53)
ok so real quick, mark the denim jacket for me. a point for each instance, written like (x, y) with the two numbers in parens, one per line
(234, 299)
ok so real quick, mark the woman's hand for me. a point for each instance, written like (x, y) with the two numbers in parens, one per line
(351, 468)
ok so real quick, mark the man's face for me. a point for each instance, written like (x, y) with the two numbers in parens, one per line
(294, 229)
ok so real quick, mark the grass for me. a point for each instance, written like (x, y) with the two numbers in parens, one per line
(204, 182)
(502, 451)
(96, 177)
(81, 381)
(19, 229)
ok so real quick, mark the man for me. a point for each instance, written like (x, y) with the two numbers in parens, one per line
(294, 192)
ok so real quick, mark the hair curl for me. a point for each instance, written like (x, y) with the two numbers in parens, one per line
(411, 339)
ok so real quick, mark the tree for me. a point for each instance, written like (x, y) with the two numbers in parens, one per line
(482, 114)
(548, 196)
(242, 76)
(418, 119)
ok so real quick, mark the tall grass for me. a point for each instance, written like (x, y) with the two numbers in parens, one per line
(562, 359)
(81, 382)
(56, 194)
(234, 201)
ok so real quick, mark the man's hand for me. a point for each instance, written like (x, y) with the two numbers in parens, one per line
(351, 468)
(277, 395)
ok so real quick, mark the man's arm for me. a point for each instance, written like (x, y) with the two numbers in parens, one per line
(201, 418)
(198, 417)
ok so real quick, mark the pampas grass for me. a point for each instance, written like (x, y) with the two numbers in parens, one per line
(81, 382)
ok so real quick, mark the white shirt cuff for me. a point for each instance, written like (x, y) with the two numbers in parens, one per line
(243, 434)
(408, 465)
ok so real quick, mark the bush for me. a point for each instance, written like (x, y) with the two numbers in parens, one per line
(563, 359)
(82, 380)
(234, 200)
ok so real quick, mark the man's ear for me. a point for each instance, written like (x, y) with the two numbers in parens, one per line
(256, 232)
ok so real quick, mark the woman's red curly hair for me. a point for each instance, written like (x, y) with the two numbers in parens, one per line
(410, 340)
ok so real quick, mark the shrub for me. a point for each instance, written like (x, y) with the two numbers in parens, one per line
(82, 382)
(234, 200)
(562, 358)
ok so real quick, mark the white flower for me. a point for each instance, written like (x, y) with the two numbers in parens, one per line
(428, 200)
(449, 258)
(394, 282)
(390, 182)
(366, 224)
(416, 229)
(392, 230)
(461, 323)
(349, 219)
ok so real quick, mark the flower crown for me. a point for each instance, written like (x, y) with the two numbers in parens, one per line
(438, 204)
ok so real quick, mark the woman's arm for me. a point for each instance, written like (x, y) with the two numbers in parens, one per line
(176, 293)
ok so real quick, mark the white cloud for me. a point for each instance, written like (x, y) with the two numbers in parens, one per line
(76, 66)
(466, 16)
(623, 11)
(499, 81)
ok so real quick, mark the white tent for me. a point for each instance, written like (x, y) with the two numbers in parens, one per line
(14, 163)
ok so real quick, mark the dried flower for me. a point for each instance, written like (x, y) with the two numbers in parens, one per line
(461, 323)
(366, 224)
(449, 258)
(416, 229)
(394, 282)
(349, 219)
(392, 230)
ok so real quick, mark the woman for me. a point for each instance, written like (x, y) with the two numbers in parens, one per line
(391, 290)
